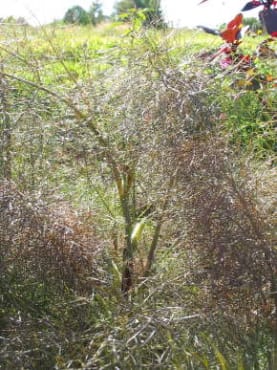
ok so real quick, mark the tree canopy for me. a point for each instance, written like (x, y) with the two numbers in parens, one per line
(152, 10)
(77, 15)
(96, 13)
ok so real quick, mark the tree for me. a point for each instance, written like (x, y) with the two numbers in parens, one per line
(96, 12)
(152, 10)
(76, 15)
(153, 13)
(124, 6)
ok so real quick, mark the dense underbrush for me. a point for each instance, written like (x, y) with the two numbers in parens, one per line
(137, 210)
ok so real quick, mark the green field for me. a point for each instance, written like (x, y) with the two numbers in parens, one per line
(137, 201)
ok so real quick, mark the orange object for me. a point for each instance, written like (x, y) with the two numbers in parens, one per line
(231, 33)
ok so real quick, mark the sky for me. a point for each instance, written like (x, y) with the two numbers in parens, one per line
(179, 13)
